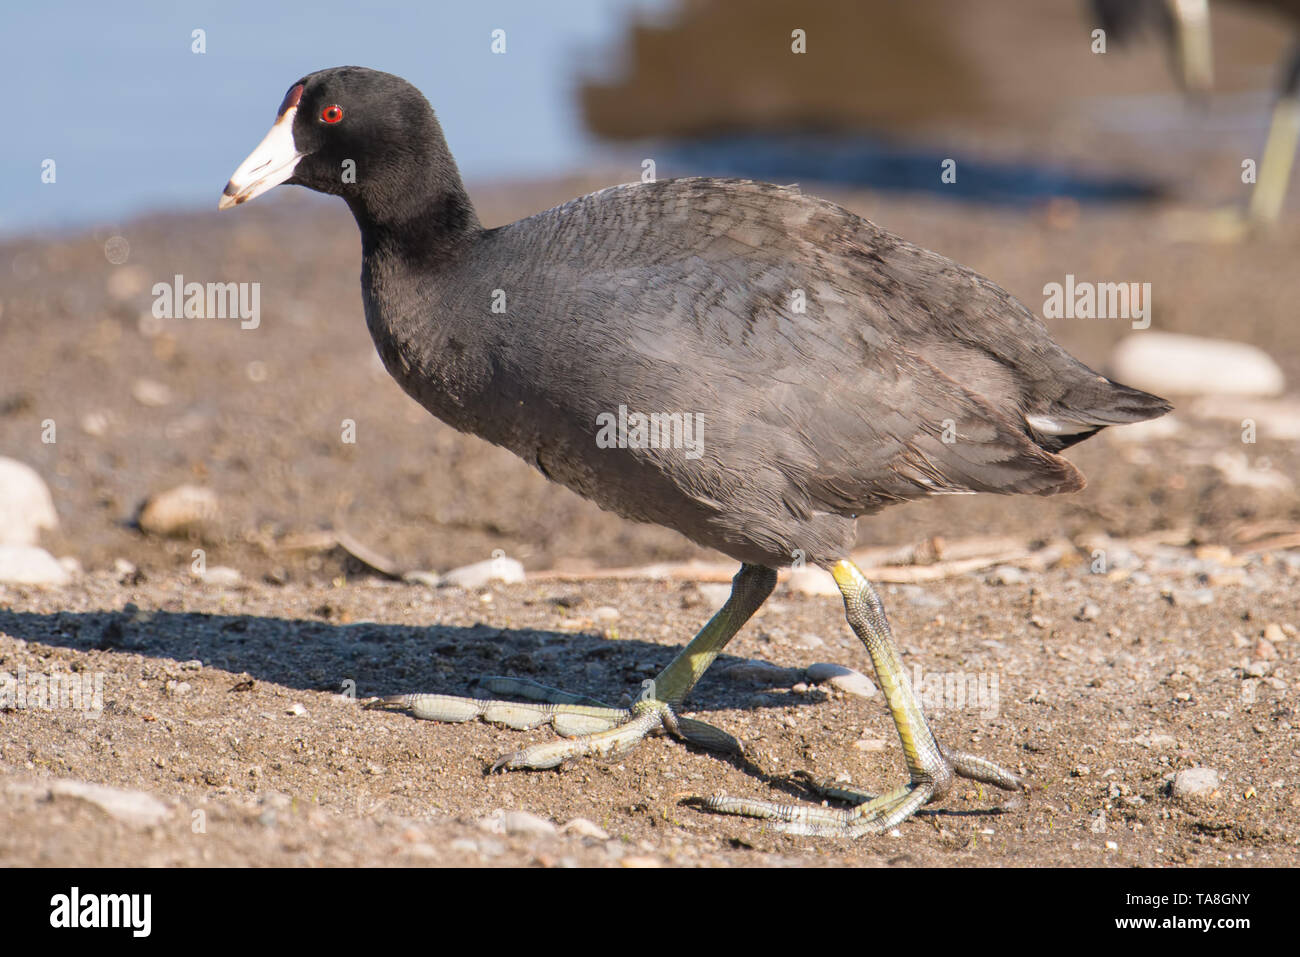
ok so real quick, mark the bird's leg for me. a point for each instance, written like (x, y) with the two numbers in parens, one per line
(590, 727)
(931, 767)
(1279, 151)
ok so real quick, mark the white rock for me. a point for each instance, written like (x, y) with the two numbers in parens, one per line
(1007, 575)
(846, 679)
(25, 504)
(179, 510)
(150, 393)
(502, 569)
(605, 613)
(29, 565)
(811, 580)
(585, 828)
(516, 822)
(221, 576)
(134, 807)
(1169, 363)
(1195, 782)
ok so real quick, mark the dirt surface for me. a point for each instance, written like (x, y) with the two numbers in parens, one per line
(202, 692)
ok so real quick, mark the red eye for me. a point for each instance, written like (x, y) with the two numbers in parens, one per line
(331, 114)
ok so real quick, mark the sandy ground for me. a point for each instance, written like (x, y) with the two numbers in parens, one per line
(222, 706)
(200, 680)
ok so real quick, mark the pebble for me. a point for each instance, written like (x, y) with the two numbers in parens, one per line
(1256, 669)
(29, 565)
(605, 613)
(1089, 612)
(178, 511)
(477, 575)
(25, 504)
(585, 828)
(221, 576)
(1274, 633)
(846, 679)
(132, 807)
(296, 709)
(1006, 575)
(871, 744)
(641, 860)
(1168, 363)
(152, 394)
(517, 822)
(1194, 782)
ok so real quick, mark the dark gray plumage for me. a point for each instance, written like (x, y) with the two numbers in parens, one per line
(678, 296)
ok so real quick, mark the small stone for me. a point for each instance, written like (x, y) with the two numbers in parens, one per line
(871, 745)
(192, 665)
(1089, 611)
(29, 565)
(605, 613)
(846, 679)
(516, 822)
(26, 507)
(477, 575)
(1265, 650)
(221, 576)
(1168, 363)
(133, 807)
(1195, 782)
(1006, 575)
(296, 709)
(178, 511)
(641, 860)
(585, 828)
(521, 822)
(150, 393)
(1275, 633)
(1256, 669)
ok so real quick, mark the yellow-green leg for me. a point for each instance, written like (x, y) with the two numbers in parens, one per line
(590, 727)
(1275, 165)
(931, 767)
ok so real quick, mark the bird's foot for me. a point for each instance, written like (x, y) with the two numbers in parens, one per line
(588, 726)
(869, 814)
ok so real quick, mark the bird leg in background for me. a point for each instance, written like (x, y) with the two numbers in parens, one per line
(590, 727)
(1279, 150)
(930, 766)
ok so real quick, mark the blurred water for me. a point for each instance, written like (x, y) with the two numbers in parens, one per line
(865, 161)
(136, 121)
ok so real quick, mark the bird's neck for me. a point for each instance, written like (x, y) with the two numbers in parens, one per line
(421, 213)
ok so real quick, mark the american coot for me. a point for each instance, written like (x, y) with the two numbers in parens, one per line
(828, 367)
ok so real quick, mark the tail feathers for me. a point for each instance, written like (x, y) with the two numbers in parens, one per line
(1088, 408)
